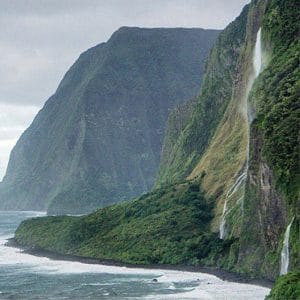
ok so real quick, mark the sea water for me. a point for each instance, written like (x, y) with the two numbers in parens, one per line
(24, 276)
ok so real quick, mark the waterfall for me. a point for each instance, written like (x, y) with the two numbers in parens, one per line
(257, 67)
(257, 57)
(230, 192)
(236, 185)
(285, 251)
(223, 221)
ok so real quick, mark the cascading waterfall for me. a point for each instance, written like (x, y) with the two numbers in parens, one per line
(257, 66)
(223, 221)
(285, 250)
(236, 185)
(230, 192)
(257, 57)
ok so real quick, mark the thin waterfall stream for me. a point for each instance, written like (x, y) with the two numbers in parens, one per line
(285, 250)
(257, 66)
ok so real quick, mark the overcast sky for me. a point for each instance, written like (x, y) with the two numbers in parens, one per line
(40, 40)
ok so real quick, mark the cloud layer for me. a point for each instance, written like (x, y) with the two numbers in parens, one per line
(40, 39)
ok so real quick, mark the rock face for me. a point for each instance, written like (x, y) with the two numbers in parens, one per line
(273, 187)
(98, 139)
(246, 125)
(216, 93)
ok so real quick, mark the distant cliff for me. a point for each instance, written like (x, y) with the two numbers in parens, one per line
(98, 139)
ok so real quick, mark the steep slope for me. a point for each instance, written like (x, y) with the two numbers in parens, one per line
(98, 138)
(225, 161)
(216, 93)
(251, 164)
(245, 166)
(272, 200)
(177, 121)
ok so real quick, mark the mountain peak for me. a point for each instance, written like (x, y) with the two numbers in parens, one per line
(98, 139)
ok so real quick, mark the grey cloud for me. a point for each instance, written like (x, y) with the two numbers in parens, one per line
(40, 39)
(14, 119)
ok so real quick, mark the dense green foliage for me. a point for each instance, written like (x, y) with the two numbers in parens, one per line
(98, 139)
(287, 287)
(272, 193)
(277, 94)
(278, 115)
(281, 23)
(167, 226)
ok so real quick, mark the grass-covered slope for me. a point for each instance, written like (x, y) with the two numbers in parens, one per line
(287, 287)
(178, 119)
(219, 125)
(167, 226)
(98, 139)
(216, 93)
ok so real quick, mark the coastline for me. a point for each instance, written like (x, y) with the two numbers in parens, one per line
(222, 274)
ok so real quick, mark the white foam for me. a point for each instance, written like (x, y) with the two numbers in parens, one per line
(220, 290)
(207, 286)
(223, 221)
(236, 185)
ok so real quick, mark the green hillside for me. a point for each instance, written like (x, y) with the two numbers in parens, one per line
(166, 226)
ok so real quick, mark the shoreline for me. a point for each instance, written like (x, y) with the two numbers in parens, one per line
(222, 274)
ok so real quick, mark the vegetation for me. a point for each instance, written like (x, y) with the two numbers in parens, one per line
(219, 150)
(167, 226)
(276, 96)
(272, 191)
(287, 287)
(215, 94)
(278, 117)
(281, 23)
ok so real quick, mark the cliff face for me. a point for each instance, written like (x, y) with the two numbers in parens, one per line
(216, 93)
(272, 199)
(98, 139)
(178, 119)
(235, 151)
(249, 161)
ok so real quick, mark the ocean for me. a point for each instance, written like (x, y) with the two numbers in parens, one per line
(28, 277)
